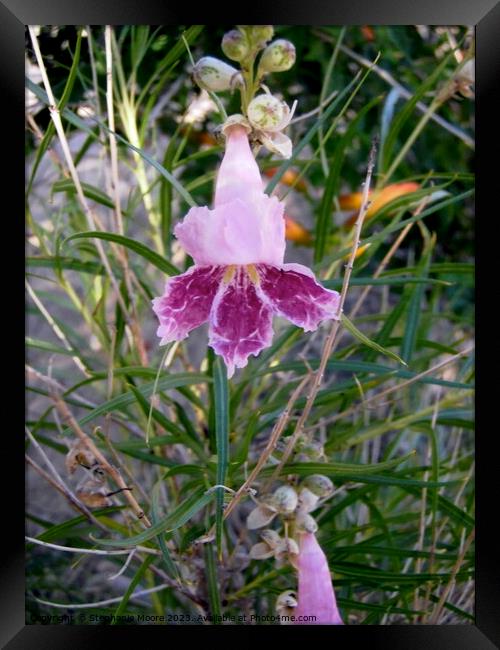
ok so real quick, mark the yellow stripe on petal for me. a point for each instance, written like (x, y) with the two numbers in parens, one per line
(252, 273)
(229, 274)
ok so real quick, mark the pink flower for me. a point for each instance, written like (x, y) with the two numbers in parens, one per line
(239, 279)
(315, 595)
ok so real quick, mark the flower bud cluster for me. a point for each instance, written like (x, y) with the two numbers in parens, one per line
(293, 505)
(267, 115)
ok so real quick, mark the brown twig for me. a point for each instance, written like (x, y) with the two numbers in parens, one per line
(66, 492)
(121, 254)
(273, 440)
(106, 466)
(327, 348)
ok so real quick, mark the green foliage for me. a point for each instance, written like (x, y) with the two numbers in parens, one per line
(393, 417)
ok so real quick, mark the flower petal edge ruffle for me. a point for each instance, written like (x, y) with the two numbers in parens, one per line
(293, 292)
(239, 303)
(186, 302)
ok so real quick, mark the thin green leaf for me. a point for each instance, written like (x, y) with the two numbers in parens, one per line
(157, 260)
(177, 518)
(324, 220)
(212, 582)
(155, 516)
(221, 404)
(130, 589)
(349, 325)
(121, 401)
(91, 192)
(415, 305)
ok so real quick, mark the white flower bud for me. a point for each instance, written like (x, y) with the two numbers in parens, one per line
(270, 537)
(235, 45)
(215, 75)
(287, 599)
(268, 113)
(236, 119)
(261, 551)
(277, 143)
(465, 79)
(307, 500)
(260, 516)
(306, 524)
(278, 56)
(285, 499)
(287, 549)
(318, 484)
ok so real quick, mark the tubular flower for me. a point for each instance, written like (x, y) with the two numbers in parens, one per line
(315, 594)
(239, 279)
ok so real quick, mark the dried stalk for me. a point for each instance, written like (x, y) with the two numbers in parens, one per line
(439, 607)
(106, 466)
(121, 255)
(327, 349)
(65, 491)
(273, 440)
(91, 219)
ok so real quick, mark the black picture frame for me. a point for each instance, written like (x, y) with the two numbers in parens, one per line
(485, 15)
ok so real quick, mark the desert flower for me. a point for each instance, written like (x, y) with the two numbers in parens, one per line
(239, 279)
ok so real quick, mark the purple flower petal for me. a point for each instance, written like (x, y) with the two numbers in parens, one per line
(315, 594)
(293, 292)
(240, 322)
(187, 301)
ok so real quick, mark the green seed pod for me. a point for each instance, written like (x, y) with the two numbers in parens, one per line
(318, 484)
(285, 499)
(277, 57)
(235, 45)
(312, 450)
(215, 75)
